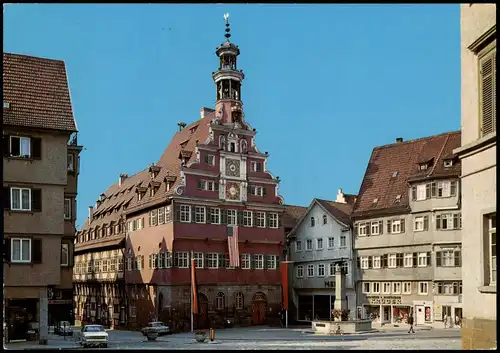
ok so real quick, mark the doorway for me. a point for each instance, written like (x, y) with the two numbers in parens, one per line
(203, 311)
(420, 317)
(259, 308)
(386, 314)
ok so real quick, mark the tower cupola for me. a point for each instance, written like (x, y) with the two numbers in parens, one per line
(228, 78)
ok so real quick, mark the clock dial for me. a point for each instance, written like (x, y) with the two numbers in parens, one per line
(233, 167)
(232, 191)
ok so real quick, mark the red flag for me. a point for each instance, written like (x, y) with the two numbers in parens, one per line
(284, 283)
(194, 291)
(232, 242)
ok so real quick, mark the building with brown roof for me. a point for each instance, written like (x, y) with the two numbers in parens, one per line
(210, 197)
(479, 175)
(40, 159)
(407, 225)
(320, 240)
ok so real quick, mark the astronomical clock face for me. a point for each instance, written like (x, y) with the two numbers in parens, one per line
(232, 191)
(233, 167)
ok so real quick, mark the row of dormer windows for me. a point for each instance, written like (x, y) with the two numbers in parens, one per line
(443, 221)
(99, 232)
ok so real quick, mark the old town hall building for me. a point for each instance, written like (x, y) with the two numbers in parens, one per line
(210, 197)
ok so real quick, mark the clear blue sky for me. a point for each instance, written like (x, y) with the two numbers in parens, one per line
(324, 83)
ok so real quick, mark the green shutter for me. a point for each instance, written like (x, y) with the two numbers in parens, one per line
(487, 91)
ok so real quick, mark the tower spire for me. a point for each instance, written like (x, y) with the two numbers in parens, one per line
(228, 28)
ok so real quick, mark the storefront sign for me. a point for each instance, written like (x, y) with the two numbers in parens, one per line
(385, 300)
(329, 284)
(61, 301)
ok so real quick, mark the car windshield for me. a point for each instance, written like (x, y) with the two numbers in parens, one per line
(157, 324)
(94, 329)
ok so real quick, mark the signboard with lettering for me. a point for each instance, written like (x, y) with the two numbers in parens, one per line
(384, 300)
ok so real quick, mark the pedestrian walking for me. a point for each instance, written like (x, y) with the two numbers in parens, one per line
(410, 322)
(457, 321)
(445, 321)
(282, 316)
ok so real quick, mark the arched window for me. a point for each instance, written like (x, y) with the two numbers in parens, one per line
(239, 301)
(325, 220)
(312, 222)
(219, 301)
(232, 147)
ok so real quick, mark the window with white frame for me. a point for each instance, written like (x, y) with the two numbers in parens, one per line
(376, 262)
(375, 228)
(212, 260)
(332, 269)
(492, 248)
(298, 245)
(300, 271)
(321, 270)
(231, 217)
(392, 263)
(239, 301)
(396, 226)
(20, 199)
(422, 259)
(375, 287)
(64, 254)
(448, 258)
(20, 146)
(210, 159)
(343, 242)
(67, 208)
(185, 213)
(362, 229)
(423, 288)
(247, 218)
(161, 215)
(319, 243)
(256, 190)
(309, 244)
(386, 288)
(421, 192)
(200, 214)
(406, 287)
(396, 287)
(313, 222)
(408, 260)
(366, 287)
(215, 215)
(20, 250)
(364, 262)
(245, 261)
(449, 221)
(310, 270)
(273, 220)
(183, 259)
(443, 189)
(261, 219)
(331, 242)
(271, 262)
(198, 259)
(418, 224)
(206, 185)
(219, 301)
(259, 261)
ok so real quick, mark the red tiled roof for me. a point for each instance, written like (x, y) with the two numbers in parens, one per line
(380, 183)
(340, 211)
(292, 215)
(37, 92)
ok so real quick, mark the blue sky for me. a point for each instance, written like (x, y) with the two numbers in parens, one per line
(324, 83)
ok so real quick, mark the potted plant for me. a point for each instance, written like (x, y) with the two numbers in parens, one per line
(340, 315)
(200, 336)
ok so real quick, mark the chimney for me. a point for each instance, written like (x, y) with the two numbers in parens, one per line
(122, 179)
(399, 140)
(205, 111)
(91, 212)
(340, 197)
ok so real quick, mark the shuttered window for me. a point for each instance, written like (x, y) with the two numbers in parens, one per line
(487, 89)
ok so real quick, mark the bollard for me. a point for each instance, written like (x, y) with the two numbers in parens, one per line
(212, 335)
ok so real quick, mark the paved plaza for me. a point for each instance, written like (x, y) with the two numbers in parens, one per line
(273, 338)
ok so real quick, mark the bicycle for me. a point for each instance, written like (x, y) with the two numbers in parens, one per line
(338, 331)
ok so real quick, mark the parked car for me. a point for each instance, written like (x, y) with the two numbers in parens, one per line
(93, 335)
(64, 328)
(158, 327)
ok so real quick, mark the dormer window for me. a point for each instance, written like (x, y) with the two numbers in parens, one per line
(398, 198)
(395, 174)
(423, 166)
(448, 163)
(374, 203)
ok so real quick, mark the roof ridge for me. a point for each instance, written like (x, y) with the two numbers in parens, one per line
(34, 57)
(420, 139)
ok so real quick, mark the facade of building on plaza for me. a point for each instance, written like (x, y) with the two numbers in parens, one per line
(40, 159)
(321, 239)
(479, 177)
(210, 197)
(407, 225)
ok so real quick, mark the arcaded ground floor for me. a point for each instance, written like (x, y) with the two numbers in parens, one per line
(117, 305)
(479, 334)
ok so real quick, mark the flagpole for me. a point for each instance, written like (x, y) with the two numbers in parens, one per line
(192, 295)
(286, 311)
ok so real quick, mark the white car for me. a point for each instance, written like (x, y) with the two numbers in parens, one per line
(159, 327)
(93, 335)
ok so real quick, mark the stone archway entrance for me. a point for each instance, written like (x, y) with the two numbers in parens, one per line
(203, 311)
(259, 308)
